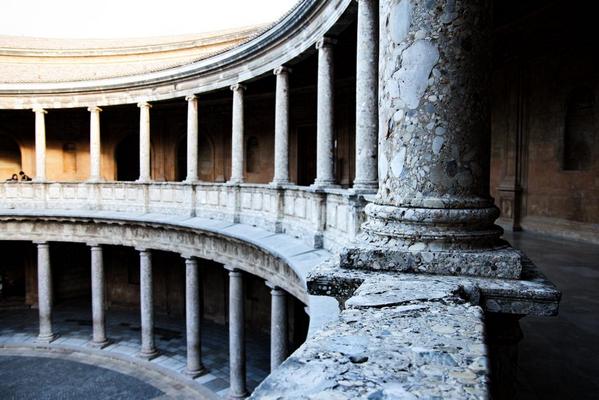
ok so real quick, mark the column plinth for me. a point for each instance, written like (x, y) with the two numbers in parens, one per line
(433, 212)
(325, 141)
(281, 175)
(194, 366)
(366, 179)
(45, 295)
(95, 155)
(148, 347)
(238, 389)
(192, 139)
(99, 338)
(144, 142)
(237, 140)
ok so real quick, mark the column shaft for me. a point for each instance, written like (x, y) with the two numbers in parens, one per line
(237, 141)
(367, 96)
(94, 144)
(44, 285)
(144, 142)
(236, 336)
(40, 145)
(192, 318)
(325, 158)
(98, 282)
(192, 138)
(278, 327)
(281, 175)
(148, 348)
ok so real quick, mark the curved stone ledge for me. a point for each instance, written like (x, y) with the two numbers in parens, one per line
(290, 37)
(278, 258)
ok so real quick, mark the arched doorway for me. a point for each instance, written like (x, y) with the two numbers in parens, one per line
(10, 157)
(205, 159)
(127, 159)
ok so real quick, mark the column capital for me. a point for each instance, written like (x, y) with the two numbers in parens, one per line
(326, 41)
(144, 104)
(94, 246)
(191, 97)
(94, 109)
(41, 242)
(39, 110)
(143, 249)
(282, 70)
(238, 87)
(189, 258)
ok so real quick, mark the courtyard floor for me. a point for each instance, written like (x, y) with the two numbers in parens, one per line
(73, 324)
(559, 356)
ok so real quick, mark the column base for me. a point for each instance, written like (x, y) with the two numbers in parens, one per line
(365, 187)
(46, 339)
(99, 345)
(234, 396)
(319, 185)
(194, 373)
(143, 180)
(148, 354)
(235, 181)
(280, 183)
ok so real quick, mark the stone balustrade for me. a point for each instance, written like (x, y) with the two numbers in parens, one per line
(326, 219)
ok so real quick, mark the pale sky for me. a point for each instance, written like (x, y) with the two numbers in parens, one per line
(132, 18)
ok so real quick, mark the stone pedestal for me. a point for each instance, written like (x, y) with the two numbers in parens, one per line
(237, 141)
(238, 389)
(192, 318)
(45, 298)
(433, 212)
(95, 153)
(144, 142)
(192, 139)
(281, 175)
(367, 49)
(99, 338)
(148, 348)
(40, 145)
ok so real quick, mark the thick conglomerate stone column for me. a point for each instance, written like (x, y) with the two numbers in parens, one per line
(281, 175)
(237, 141)
(192, 318)
(44, 287)
(40, 144)
(237, 379)
(95, 154)
(325, 158)
(144, 142)
(278, 327)
(148, 348)
(98, 286)
(192, 139)
(367, 96)
(433, 212)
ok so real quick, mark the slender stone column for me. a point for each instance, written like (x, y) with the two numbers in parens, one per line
(367, 96)
(236, 336)
(98, 281)
(278, 327)
(433, 212)
(148, 348)
(94, 144)
(281, 126)
(144, 142)
(237, 142)
(40, 144)
(44, 287)
(325, 158)
(192, 318)
(192, 139)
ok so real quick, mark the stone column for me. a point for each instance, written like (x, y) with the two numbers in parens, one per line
(192, 139)
(237, 141)
(433, 212)
(148, 348)
(281, 175)
(144, 142)
(40, 144)
(236, 336)
(325, 158)
(95, 154)
(278, 327)
(44, 287)
(367, 96)
(98, 281)
(192, 318)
